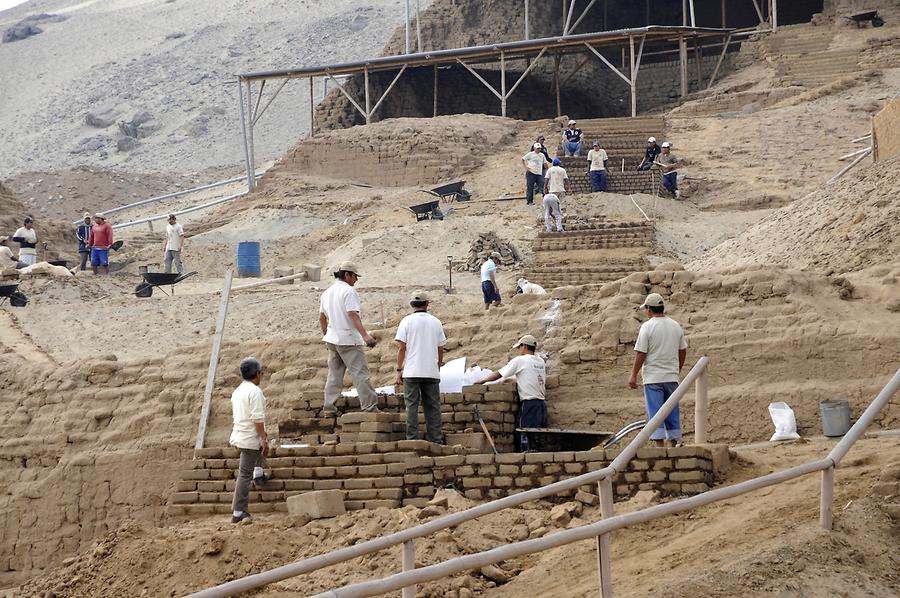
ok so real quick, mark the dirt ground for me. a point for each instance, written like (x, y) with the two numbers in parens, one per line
(765, 543)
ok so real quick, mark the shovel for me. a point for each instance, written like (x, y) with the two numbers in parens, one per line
(484, 429)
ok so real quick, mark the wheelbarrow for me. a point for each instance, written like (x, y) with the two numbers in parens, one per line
(427, 211)
(9, 292)
(868, 15)
(159, 280)
(450, 192)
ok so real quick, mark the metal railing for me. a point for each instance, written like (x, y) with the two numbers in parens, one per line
(603, 477)
(609, 523)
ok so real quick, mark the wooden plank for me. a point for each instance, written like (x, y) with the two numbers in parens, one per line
(213, 361)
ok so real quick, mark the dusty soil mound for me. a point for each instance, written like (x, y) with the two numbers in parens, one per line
(767, 541)
(852, 225)
(403, 151)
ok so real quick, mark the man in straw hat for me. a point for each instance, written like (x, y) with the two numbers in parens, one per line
(344, 336)
(419, 360)
(530, 373)
(660, 350)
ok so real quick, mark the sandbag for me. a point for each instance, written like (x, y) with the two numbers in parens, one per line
(785, 422)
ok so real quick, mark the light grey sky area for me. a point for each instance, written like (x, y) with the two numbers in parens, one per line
(5, 4)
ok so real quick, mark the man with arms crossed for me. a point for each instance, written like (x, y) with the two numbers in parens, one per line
(660, 350)
(174, 243)
(248, 410)
(419, 360)
(344, 336)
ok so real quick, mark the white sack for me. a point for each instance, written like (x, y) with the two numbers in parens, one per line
(785, 423)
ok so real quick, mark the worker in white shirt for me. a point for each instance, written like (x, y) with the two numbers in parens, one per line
(248, 410)
(174, 244)
(27, 239)
(530, 372)
(419, 360)
(534, 163)
(344, 335)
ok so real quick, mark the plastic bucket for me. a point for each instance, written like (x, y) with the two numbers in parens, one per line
(835, 414)
(248, 259)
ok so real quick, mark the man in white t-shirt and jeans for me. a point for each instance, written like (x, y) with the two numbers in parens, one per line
(557, 182)
(248, 434)
(660, 350)
(174, 243)
(489, 287)
(419, 360)
(344, 335)
(530, 373)
(534, 163)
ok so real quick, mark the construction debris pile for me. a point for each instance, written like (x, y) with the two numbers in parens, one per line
(481, 249)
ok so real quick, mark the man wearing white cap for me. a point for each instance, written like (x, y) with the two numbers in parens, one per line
(489, 287)
(344, 336)
(650, 155)
(419, 360)
(666, 160)
(571, 141)
(660, 350)
(530, 373)
(534, 163)
(7, 259)
(174, 244)
(83, 233)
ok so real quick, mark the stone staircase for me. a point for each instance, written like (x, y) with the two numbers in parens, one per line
(590, 251)
(623, 139)
(803, 56)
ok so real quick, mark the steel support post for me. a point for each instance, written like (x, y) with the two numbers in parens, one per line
(604, 541)
(826, 513)
(435, 93)
(251, 180)
(693, 15)
(502, 84)
(418, 28)
(409, 563)
(406, 13)
(633, 75)
(724, 20)
(682, 64)
(556, 60)
(250, 142)
(527, 22)
(684, 13)
(774, 16)
(312, 110)
(368, 100)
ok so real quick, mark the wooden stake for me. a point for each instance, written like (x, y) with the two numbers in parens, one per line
(213, 361)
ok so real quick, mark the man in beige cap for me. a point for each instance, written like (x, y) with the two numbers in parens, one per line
(419, 360)
(344, 336)
(660, 350)
(530, 373)
(489, 287)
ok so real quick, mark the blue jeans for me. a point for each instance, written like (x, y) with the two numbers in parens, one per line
(646, 166)
(654, 397)
(532, 414)
(598, 180)
(572, 148)
(490, 293)
(532, 181)
(670, 182)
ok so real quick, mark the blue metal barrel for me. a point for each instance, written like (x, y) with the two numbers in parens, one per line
(248, 259)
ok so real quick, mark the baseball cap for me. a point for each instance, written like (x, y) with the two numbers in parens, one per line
(652, 300)
(537, 146)
(526, 340)
(349, 267)
(496, 254)
(651, 140)
(418, 297)
(28, 220)
(99, 215)
(557, 161)
(86, 215)
(596, 144)
(666, 144)
(571, 122)
(172, 216)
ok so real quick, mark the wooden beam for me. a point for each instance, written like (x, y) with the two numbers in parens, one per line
(682, 66)
(213, 362)
(528, 70)
(347, 95)
(715, 72)
(608, 63)
(480, 78)
(388, 90)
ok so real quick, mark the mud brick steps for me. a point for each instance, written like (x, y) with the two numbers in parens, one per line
(624, 234)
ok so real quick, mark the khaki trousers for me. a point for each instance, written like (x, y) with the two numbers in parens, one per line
(250, 459)
(342, 358)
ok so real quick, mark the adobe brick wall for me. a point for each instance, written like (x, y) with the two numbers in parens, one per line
(394, 474)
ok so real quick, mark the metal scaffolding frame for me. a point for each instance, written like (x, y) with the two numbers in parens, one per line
(531, 51)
